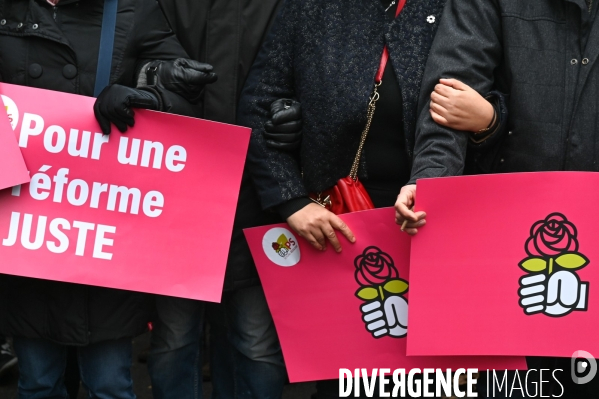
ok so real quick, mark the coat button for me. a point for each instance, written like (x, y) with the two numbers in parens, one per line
(510, 133)
(502, 160)
(35, 26)
(20, 25)
(3, 22)
(585, 61)
(574, 61)
(35, 70)
(69, 71)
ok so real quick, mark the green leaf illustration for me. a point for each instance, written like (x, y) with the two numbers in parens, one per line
(396, 286)
(367, 293)
(533, 265)
(572, 260)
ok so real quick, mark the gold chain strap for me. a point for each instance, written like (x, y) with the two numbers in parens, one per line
(325, 202)
(371, 107)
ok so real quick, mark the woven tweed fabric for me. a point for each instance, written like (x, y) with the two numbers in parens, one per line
(326, 54)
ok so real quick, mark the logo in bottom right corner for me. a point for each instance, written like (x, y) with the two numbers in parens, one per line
(552, 285)
(584, 367)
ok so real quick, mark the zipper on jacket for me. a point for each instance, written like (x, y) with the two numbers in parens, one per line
(55, 10)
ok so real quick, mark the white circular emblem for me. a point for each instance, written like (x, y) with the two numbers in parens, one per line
(431, 19)
(281, 247)
(11, 110)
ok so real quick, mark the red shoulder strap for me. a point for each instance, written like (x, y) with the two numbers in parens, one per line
(385, 57)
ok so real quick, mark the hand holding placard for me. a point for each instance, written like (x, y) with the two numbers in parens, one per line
(520, 260)
(128, 211)
(404, 211)
(365, 325)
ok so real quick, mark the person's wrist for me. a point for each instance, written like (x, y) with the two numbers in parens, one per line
(489, 118)
(292, 206)
(154, 97)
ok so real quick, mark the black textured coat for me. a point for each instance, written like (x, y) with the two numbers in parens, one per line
(57, 49)
(228, 35)
(326, 54)
(535, 51)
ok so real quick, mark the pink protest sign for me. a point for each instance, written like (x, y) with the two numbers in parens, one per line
(346, 310)
(150, 210)
(12, 165)
(507, 264)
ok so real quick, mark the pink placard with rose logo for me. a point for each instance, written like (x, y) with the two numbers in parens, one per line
(347, 310)
(507, 264)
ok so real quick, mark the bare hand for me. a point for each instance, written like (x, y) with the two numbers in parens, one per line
(457, 106)
(403, 210)
(316, 224)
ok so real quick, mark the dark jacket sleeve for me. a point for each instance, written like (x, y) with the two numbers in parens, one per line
(482, 144)
(153, 36)
(276, 174)
(156, 41)
(467, 47)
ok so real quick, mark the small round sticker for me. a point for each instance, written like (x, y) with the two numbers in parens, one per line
(431, 19)
(281, 247)
(12, 111)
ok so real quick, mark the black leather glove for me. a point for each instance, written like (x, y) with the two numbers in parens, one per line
(115, 104)
(185, 77)
(284, 129)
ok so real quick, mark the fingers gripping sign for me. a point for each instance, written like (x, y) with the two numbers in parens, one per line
(317, 225)
(405, 216)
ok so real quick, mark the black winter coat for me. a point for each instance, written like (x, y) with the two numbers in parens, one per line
(228, 35)
(57, 49)
(535, 51)
(326, 54)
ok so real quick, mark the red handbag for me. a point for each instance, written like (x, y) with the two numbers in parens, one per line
(349, 195)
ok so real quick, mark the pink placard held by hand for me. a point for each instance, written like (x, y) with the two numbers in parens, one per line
(508, 265)
(346, 310)
(150, 210)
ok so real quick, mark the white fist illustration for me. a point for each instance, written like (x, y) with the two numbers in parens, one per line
(558, 296)
(389, 318)
(565, 293)
(532, 293)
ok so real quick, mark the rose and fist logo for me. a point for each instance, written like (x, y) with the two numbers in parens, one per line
(386, 310)
(552, 286)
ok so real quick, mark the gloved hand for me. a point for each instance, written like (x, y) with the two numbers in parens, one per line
(284, 129)
(185, 77)
(115, 104)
